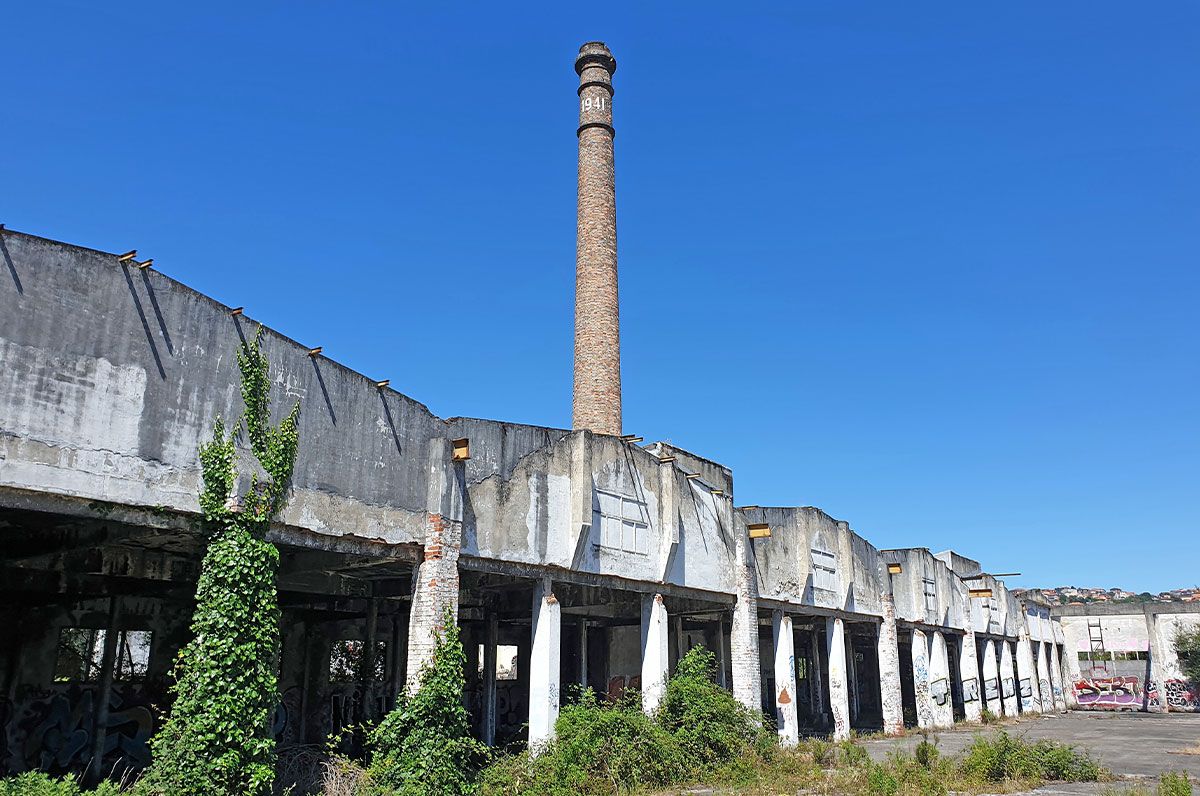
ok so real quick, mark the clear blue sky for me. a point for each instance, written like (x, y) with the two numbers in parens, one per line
(929, 266)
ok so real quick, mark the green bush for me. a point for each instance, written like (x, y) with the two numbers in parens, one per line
(217, 740)
(35, 783)
(1172, 784)
(926, 753)
(424, 746)
(880, 782)
(1005, 757)
(707, 722)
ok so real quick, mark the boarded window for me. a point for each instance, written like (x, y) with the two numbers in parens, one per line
(346, 659)
(929, 586)
(623, 523)
(824, 569)
(80, 655)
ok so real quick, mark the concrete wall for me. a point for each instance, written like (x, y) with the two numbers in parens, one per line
(1135, 666)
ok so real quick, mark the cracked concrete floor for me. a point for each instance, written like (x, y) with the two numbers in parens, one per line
(1134, 746)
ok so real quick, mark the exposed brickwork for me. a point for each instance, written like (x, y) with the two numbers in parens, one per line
(435, 588)
(597, 392)
(743, 632)
(889, 668)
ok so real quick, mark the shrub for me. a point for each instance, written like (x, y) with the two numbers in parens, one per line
(926, 753)
(709, 725)
(1172, 784)
(988, 717)
(1005, 757)
(35, 783)
(880, 782)
(424, 746)
(218, 738)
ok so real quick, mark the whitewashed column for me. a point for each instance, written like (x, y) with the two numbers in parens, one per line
(920, 661)
(940, 687)
(544, 665)
(888, 650)
(489, 679)
(968, 675)
(1008, 679)
(839, 695)
(1043, 672)
(1027, 688)
(785, 679)
(990, 691)
(655, 651)
(1056, 682)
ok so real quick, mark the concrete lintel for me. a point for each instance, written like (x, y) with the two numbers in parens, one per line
(767, 606)
(562, 575)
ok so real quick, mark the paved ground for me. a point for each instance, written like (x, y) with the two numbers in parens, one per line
(1132, 745)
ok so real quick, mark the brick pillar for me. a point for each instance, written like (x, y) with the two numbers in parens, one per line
(544, 665)
(1008, 679)
(968, 675)
(435, 590)
(785, 679)
(597, 393)
(655, 651)
(920, 661)
(888, 650)
(839, 693)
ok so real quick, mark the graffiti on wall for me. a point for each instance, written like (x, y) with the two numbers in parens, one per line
(1120, 691)
(970, 688)
(1026, 688)
(939, 690)
(51, 730)
(1009, 687)
(991, 689)
(1182, 695)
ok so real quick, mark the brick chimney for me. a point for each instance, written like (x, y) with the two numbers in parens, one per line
(597, 394)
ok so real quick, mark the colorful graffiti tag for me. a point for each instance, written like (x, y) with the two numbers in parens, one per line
(1116, 692)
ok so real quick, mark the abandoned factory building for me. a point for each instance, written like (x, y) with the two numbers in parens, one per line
(569, 556)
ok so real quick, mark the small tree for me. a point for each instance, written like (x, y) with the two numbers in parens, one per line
(1187, 647)
(218, 738)
(710, 725)
(424, 746)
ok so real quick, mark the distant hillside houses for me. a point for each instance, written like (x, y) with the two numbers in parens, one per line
(1080, 595)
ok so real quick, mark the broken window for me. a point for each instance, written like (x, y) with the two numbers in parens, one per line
(346, 660)
(623, 523)
(80, 657)
(506, 661)
(824, 569)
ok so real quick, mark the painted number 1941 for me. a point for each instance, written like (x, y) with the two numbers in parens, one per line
(597, 103)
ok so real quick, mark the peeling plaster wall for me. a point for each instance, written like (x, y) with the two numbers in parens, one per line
(113, 376)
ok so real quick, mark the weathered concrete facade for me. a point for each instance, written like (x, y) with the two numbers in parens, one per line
(1122, 656)
(569, 558)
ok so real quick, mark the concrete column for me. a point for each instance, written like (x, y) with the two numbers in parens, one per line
(817, 676)
(1071, 676)
(1043, 674)
(920, 661)
(583, 653)
(435, 594)
(1008, 680)
(722, 650)
(490, 644)
(839, 697)
(1027, 689)
(108, 663)
(888, 650)
(939, 681)
(655, 651)
(544, 664)
(743, 632)
(785, 679)
(990, 691)
(968, 675)
(1158, 679)
(1056, 682)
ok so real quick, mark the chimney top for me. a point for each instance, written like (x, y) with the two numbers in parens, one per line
(595, 52)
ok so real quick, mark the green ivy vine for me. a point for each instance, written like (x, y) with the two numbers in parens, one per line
(218, 738)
